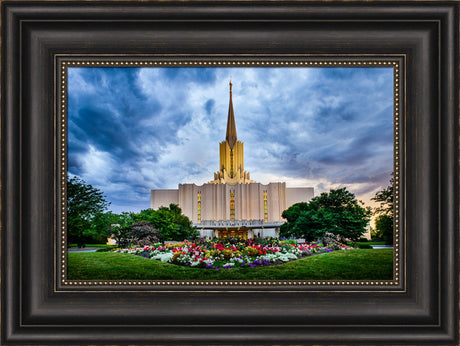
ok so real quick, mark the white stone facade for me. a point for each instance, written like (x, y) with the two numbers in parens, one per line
(215, 200)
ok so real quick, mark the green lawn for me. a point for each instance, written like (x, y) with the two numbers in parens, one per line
(359, 264)
(93, 245)
(370, 243)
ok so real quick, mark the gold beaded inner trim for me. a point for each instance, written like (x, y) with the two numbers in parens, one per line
(63, 62)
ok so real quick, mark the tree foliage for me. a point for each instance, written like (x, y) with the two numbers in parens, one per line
(337, 212)
(385, 197)
(172, 224)
(384, 228)
(384, 220)
(86, 218)
(83, 203)
(140, 233)
(162, 224)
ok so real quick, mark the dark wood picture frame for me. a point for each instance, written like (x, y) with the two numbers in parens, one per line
(422, 308)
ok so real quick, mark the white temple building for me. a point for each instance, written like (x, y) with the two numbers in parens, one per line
(232, 204)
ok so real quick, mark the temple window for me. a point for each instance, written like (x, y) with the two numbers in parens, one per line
(232, 173)
(232, 205)
(265, 207)
(199, 207)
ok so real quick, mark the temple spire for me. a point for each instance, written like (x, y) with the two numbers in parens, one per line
(231, 127)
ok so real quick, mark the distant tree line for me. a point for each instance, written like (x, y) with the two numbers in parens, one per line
(88, 220)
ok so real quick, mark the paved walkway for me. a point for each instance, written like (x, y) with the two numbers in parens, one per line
(382, 246)
(83, 249)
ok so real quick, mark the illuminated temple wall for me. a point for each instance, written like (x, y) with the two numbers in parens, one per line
(215, 200)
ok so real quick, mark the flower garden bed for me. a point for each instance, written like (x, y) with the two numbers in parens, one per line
(231, 253)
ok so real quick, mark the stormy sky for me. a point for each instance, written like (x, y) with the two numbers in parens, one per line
(136, 129)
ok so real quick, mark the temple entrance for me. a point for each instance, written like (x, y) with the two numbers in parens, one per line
(241, 232)
(244, 229)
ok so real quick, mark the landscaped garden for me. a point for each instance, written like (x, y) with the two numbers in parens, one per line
(234, 259)
(231, 252)
(358, 264)
(151, 245)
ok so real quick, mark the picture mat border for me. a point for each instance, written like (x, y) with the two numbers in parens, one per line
(396, 62)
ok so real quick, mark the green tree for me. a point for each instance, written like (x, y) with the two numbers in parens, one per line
(170, 222)
(83, 203)
(384, 227)
(108, 224)
(385, 197)
(337, 212)
(384, 220)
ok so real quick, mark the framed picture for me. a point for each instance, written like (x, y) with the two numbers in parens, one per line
(305, 121)
(53, 53)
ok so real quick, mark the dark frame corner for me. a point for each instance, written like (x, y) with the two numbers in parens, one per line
(37, 310)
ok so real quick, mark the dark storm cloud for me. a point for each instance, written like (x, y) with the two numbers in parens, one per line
(117, 118)
(110, 114)
(104, 132)
(347, 115)
(209, 106)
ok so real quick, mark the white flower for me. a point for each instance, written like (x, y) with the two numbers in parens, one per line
(163, 257)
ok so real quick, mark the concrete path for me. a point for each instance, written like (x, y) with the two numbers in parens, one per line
(382, 246)
(83, 249)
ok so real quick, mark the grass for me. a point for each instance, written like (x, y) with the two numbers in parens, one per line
(359, 264)
(371, 243)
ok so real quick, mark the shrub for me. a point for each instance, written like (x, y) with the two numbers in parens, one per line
(231, 240)
(252, 251)
(364, 246)
(332, 241)
(140, 233)
(227, 254)
(269, 241)
(176, 256)
(143, 233)
(121, 235)
(288, 241)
